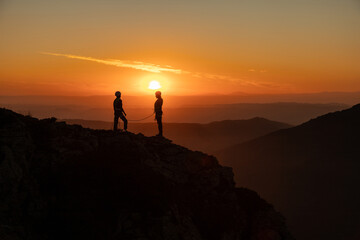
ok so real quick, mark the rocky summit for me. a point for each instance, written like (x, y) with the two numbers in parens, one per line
(60, 181)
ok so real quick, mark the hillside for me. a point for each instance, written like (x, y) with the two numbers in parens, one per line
(62, 181)
(202, 137)
(310, 172)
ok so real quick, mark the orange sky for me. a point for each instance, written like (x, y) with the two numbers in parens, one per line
(192, 47)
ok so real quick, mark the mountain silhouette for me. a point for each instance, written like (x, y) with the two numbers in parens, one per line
(185, 109)
(62, 181)
(208, 137)
(310, 173)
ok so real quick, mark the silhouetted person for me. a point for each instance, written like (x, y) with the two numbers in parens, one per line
(119, 111)
(158, 112)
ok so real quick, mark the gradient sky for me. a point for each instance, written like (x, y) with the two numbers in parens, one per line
(88, 47)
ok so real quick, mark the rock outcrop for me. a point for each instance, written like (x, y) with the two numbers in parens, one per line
(60, 181)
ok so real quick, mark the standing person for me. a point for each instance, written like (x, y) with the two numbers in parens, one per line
(119, 111)
(158, 112)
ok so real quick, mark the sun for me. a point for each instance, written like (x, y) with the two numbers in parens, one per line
(154, 85)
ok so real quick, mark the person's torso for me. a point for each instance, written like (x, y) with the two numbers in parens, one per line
(117, 105)
(158, 105)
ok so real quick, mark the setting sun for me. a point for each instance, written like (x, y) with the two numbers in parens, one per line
(154, 85)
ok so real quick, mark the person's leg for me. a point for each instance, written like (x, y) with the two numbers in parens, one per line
(124, 120)
(159, 122)
(116, 121)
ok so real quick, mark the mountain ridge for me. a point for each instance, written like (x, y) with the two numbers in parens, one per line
(308, 172)
(197, 136)
(62, 181)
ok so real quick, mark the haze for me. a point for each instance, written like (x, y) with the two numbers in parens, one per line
(93, 47)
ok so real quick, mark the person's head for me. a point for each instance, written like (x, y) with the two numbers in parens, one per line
(118, 94)
(158, 94)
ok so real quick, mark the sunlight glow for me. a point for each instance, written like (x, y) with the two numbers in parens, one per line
(154, 85)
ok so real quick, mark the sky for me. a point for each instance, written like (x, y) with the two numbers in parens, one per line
(93, 47)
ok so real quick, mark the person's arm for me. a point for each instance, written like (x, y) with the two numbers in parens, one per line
(155, 110)
(122, 108)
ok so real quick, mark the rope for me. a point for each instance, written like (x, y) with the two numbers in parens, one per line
(137, 120)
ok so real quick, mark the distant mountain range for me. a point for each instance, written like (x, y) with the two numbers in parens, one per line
(202, 137)
(291, 113)
(287, 112)
(174, 101)
(310, 172)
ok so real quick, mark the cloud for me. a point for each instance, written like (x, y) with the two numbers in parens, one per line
(254, 70)
(154, 68)
(149, 67)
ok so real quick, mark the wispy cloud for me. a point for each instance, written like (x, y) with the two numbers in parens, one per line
(149, 67)
(254, 70)
(154, 68)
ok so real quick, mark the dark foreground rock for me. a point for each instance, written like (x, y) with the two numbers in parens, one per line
(61, 181)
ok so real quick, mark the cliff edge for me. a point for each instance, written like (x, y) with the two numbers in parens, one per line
(60, 181)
